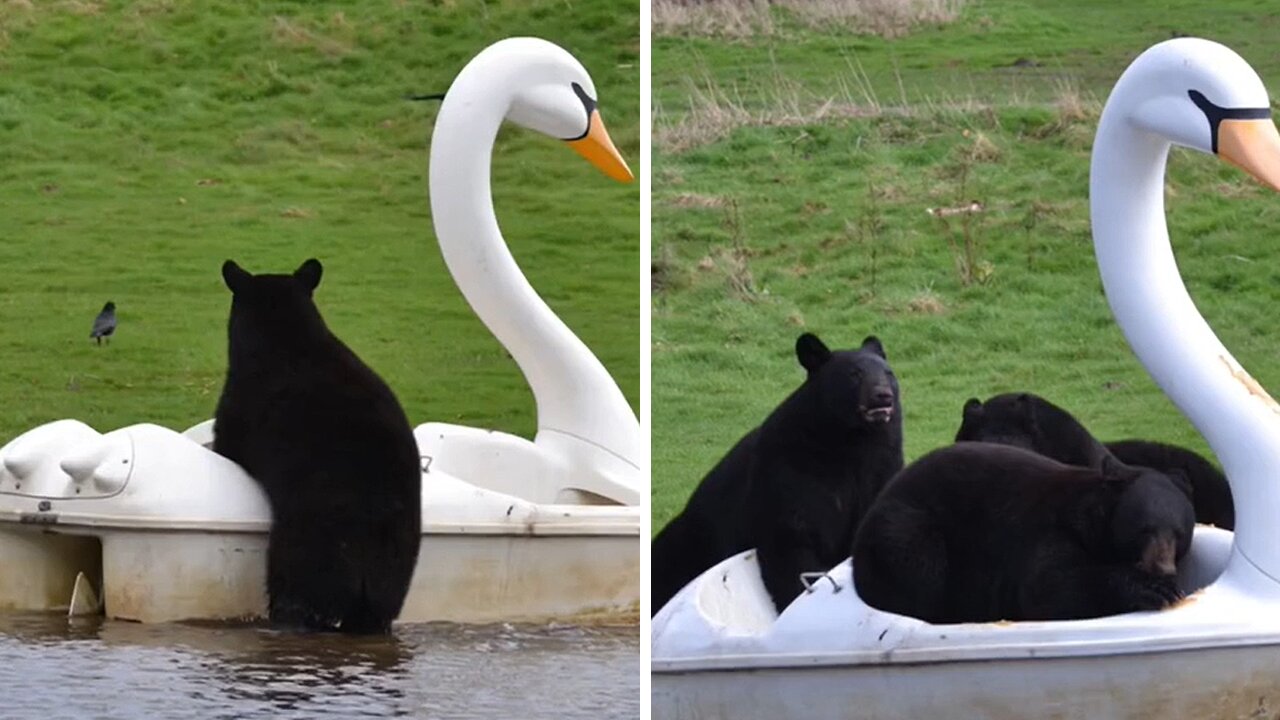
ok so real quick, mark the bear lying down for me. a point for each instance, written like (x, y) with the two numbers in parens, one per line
(1032, 422)
(978, 532)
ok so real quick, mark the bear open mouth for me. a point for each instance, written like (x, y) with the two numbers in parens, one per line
(878, 414)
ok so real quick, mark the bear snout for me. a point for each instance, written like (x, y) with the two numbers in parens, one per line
(882, 397)
(879, 405)
(1159, 556)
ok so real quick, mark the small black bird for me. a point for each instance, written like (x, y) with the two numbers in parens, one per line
(104, 324)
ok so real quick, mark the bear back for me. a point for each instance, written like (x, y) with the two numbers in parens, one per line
(332, 448)
(296, 384)
(1031, 422)
(978, 532)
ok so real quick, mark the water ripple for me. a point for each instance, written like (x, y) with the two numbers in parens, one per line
(53, 668)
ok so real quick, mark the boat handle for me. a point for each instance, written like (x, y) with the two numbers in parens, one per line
(810, 579)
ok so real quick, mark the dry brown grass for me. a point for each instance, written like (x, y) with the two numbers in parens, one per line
(926, 302)
(290, 32)
(962, 226)
(715, 111)
(887, 18)
(144, 8)
(1076, 112)
(667, 176)
(712, 115)
(744, 18)
(698, 201)
(735, 261)
(731, 262)
(71, 7)
(983, 150)
(1074, 105)
(80, 7)
(664, 271)
(712, 18)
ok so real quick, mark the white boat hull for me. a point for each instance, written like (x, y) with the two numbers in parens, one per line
(162, 576)
(164, 530)
(1193, 685)
(719, 650)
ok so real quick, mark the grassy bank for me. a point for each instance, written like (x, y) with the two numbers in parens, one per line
(143, 143)
(805, 206)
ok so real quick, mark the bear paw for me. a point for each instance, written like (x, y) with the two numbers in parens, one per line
(1144, 591)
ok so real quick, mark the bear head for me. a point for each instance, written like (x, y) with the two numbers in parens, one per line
(855, 388)
(279, 304)
(1153, 519)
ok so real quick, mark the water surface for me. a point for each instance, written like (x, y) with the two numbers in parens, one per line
(52, 667)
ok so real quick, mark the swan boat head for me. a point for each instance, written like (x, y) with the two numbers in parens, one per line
(587, 431)
(561, 103)
(539, 86)
(1200, 95)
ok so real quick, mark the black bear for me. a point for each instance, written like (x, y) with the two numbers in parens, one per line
(1031, 422)
(330, 445)
(796, 487)
(1210, 492)
(979, 532)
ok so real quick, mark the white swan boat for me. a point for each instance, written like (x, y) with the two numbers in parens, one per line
(719, 649)
(147, 524)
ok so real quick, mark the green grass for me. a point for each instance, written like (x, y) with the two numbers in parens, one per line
(828, 218)
(142, 143)
(1087, 41)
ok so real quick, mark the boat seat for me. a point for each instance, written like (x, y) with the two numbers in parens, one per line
(515, 466)
(1207, 558)
(732, 596)
(201, 433)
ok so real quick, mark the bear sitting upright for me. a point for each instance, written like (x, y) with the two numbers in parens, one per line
(978, 532)
(1029, 421)
(330, 445)
(796, 487)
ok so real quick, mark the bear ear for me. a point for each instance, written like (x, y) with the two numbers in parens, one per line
(1115, 471)
(811, 352)
(308, 273)
(1027, 408)
(972, 409)
(873, 344)
(970, 418)
(1181, 481)
(235, 277)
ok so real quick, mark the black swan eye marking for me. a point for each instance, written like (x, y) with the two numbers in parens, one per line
(1216, 114)
(588, 104)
